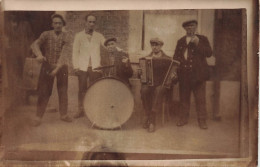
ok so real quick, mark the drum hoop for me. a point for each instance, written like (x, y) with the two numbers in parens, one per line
(115, 78)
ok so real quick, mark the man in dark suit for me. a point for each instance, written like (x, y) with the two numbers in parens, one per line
(152, 96)
(191, 51)
(118, 59)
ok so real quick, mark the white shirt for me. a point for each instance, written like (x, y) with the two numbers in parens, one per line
(87, 52)
(188, 39)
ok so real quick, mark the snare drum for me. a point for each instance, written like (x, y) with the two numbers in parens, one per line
(108, 103)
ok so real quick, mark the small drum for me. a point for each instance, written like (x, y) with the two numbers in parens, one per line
(108, 103)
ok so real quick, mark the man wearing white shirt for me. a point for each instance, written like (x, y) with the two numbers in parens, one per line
(86, 57)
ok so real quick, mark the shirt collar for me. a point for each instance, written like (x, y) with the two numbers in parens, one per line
(157, 55)
(90, 32)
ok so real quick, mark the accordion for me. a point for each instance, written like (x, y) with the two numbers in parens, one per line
(158, 71)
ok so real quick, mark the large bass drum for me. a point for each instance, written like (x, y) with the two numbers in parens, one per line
(108, 103)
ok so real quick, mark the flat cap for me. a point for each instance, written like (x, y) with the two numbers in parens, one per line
(186, 23)
(110, 39)
(156, 40)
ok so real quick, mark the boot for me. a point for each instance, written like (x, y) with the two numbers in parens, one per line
(202, 124)
(146, 123)
(182, 122)
(151, 127)
(66, 118)
(36, 121)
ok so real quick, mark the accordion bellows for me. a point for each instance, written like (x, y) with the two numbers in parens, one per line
(157, 71)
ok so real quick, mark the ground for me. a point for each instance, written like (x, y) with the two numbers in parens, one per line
(220, 140)
(58, 140)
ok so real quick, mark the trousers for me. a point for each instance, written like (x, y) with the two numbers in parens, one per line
(199, 91)
(45, 89)
(152, 98)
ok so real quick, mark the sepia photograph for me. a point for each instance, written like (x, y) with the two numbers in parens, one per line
(109, 87)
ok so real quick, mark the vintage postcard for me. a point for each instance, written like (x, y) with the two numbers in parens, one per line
(128, 87)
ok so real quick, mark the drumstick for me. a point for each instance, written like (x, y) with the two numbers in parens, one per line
(103, 67)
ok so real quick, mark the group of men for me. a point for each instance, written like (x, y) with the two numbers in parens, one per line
(51, 49)
(191, 51)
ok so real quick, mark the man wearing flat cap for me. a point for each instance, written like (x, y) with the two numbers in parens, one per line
(50, 50)
(152, 95)
(192, 51)
(118, 60)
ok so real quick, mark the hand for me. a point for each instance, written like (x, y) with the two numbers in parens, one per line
(125, 60)
(139, 73)
(40, 59)
(54, 72)
(195, 39)
(173, 77)
(99, 71)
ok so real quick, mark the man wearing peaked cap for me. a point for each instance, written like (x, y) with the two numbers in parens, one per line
(191, 51)
(186, 23)
(118, 59)
(110, 39)
(152, 95)
(157, 40)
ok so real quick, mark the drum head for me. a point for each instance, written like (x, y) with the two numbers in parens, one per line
(108, 103)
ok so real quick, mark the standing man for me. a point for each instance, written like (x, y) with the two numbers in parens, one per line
(86, 57)
(191, 51)
(152, 96)
(49, 49)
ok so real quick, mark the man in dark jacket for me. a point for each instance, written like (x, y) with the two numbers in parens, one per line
(117, 61)
(152, 96)
(191, 51)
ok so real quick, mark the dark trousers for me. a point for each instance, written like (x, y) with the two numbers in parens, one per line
(152, 98)
(84, 77)
(199, 91)
(45, 89)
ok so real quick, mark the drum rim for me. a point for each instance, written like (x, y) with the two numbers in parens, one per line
(115, 78)
(109, 77)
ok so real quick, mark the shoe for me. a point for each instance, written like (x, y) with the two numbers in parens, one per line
(52, 110)
(79, 114)
(217, 118)
(203, 124)
(151, 128)
(182, 122)
(36, 122)
(66, 118)
(146, 124)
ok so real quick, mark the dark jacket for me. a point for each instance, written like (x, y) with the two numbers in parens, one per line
(196, 65)
(123, 70)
